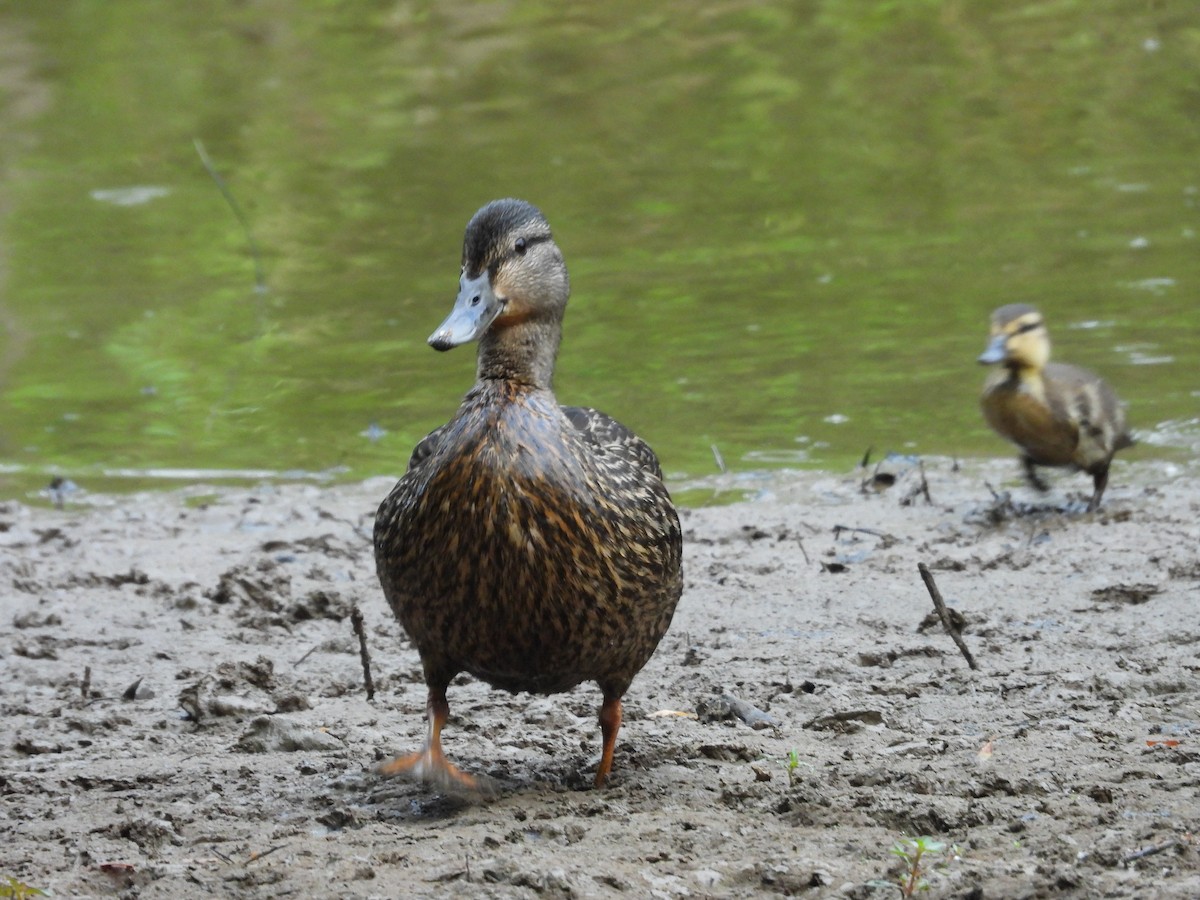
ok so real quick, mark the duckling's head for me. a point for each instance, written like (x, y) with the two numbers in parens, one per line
(1018, 339)
(513, 274)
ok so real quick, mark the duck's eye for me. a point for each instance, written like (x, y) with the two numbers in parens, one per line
(519, 246)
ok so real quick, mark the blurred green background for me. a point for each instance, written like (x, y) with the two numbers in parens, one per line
(786, 224)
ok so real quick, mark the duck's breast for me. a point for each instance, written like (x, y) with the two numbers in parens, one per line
(516, 552)
(1019, 410)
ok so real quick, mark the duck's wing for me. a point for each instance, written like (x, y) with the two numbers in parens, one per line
(610, 436)
(426, 446)
(1086, 400)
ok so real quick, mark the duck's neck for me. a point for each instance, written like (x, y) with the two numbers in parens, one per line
(1024, 372)
(522, 353)
(1028, 379)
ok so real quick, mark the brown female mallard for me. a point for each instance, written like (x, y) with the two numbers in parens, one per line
(1058, 415)
(529, 544)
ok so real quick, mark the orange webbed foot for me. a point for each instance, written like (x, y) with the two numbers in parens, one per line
(430, 766)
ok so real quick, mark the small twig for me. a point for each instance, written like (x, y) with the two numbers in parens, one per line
(720, 459)
(260, 278)
(924, 483)
(254, 857)
(356, 619)
(838, 529)
(311, 651)
(1149, 851)
(943, 613)
(920, 489)
(85, 686)
(807, 561)
(866, 458)
(223, 856)
(1004, 498)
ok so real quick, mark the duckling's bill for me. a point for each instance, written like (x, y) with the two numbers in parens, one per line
(475, 309)
(995, 351)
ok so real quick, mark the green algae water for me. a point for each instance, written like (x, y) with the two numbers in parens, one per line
(786, 224)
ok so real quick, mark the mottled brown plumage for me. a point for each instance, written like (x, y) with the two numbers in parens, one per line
(532, 545)
(1058, 415)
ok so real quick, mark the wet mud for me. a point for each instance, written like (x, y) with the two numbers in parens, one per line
(184, 714)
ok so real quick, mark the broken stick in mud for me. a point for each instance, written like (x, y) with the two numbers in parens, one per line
(356, 619)
(944, 614)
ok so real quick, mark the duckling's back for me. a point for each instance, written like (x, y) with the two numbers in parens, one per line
(1095, 407)
(532, 549)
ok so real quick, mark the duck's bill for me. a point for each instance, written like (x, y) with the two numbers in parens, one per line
(994, 352)
(475, 309)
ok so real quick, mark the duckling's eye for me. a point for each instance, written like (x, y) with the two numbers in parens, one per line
(1027, 327)
(519, 246)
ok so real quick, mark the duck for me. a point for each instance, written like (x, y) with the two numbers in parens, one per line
(1058, 415)
(532, 545)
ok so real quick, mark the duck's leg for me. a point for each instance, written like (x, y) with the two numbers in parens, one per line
(610, 724)
(1032, 476)
(429, 763)
(1099, 482)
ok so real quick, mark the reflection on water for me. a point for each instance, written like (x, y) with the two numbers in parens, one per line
(785, 228)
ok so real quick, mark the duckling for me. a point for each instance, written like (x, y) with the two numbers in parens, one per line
(1058, 415)
(532, 545)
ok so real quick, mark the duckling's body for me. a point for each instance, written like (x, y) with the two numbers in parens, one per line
(532, 545)
(1057, 414)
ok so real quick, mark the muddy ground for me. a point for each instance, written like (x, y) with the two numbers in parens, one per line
(184, 710)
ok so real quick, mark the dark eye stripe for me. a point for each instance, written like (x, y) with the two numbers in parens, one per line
(494, 265)
(524, 243)
(1028, 326)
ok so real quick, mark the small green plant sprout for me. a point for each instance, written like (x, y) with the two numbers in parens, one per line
(915, 853)
(18, 890)
(792, 763)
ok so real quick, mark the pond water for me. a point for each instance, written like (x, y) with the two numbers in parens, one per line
(786, 225)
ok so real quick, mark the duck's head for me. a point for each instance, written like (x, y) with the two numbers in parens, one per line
(1018, 338)
(512, 274)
